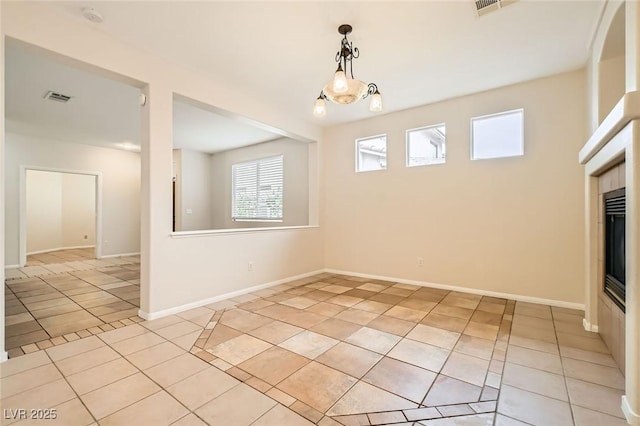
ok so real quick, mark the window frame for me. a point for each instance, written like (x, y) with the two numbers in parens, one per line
(497, 114)
(233, 189)
(406, 160)
(357, 152)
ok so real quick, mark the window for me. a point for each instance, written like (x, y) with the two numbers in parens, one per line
(371, 153)
(426, 145)
(497, 135)
(257, 190)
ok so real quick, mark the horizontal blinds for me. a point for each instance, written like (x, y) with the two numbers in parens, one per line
(258, 189)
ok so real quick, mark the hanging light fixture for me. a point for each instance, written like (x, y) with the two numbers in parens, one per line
(345, 90)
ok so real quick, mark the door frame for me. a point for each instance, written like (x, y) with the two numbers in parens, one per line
(23, 206)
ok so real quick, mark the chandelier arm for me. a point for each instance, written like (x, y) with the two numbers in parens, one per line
(371, 90)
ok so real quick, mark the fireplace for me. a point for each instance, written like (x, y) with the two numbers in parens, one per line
(614, 254)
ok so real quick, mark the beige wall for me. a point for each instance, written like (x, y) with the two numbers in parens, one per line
(296, 182)
(511, 225)
(44, 211)
(60, 210)
(195, 190)
(611, 83)
(78, 210)
(120, 188)
(175, 271)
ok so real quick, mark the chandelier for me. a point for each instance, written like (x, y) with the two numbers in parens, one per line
(345, 90)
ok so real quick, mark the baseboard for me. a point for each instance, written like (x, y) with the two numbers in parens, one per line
(165, 312)
(4, 356)
(107, 256)
(588, 326)
(518, 297)
(58, 249)
(632, 417)
(12, 266)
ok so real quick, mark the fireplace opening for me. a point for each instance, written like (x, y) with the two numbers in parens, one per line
(614, 255)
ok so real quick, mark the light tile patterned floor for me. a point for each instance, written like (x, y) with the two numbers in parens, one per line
(330, 350)
(47, 304)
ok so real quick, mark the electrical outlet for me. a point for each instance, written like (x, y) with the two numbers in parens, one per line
(420, 261)
(250, 266)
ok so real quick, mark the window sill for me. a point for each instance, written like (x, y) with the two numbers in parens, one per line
(258, 220)
(214, 232)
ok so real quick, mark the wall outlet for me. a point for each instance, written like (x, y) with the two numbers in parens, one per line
(421, 261)
(189, 211)
(250, 266)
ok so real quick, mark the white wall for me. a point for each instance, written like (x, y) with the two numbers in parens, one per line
(44, 211)
(60, 210)
(296, 182)
(176, 271)
(195, 190)
(511, 225)
(78, 210)
(120, 187)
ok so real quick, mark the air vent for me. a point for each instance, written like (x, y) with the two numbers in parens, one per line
(486, 6)
(58, 97)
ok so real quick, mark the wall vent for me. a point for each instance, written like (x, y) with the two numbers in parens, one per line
(58, 97)
(487, 6)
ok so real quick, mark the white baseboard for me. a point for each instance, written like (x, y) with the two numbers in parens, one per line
(588, 326)
(59, 248)
(632, 417)
(107, 256)
(12, 266)
(518, 297)
(4, 356)
(170, 311)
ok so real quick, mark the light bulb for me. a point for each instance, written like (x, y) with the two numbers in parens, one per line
(340, 84)
(319, 109)
(376, 102)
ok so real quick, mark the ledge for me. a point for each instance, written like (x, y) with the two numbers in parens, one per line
(214, 232)
(627, 109)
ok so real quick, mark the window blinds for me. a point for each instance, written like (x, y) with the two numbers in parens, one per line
(257, 189)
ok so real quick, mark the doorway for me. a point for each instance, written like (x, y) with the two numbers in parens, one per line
(60, 216)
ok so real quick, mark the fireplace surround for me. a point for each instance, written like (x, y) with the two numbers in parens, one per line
(614, 247)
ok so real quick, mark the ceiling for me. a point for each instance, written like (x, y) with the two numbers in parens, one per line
(104, 112)
(416, 52)
(198, 129)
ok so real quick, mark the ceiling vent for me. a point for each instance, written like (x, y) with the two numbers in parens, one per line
(58, 97)
(487, 6)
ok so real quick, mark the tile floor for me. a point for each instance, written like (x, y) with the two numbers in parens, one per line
(65, 295)
(329, 350)
(61, 256)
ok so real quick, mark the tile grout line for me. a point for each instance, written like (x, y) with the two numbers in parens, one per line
(82, 308)
(70, 387)
(564, 375)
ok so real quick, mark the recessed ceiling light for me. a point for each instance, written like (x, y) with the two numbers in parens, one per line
(128, 146)
(92, 15)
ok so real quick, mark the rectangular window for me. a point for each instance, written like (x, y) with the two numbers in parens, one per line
(426, 145)
(257, 189)
(497, 135)
(371, 153)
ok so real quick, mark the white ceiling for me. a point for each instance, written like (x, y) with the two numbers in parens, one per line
(103, 112)
(416, 52)
(198, 129)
